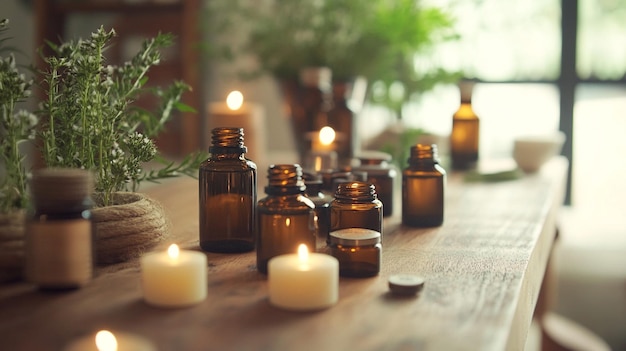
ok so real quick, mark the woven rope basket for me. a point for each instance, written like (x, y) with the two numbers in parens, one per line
(127, 228)
(132, 225)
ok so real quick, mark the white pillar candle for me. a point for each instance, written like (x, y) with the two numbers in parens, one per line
(105, 340)
(235, 112)
(174, 278)
(303, 281)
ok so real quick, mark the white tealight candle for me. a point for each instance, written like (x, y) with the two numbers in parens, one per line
(174, 278)
(303, 281)
(105, 340)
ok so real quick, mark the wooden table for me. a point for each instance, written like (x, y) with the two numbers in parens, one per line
(483, 269)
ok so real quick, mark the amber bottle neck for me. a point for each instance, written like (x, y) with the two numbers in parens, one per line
(356, 191)
(424, 155)
(285, 179)
(227, 140)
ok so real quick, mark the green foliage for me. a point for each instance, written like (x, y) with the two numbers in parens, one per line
(16, 127)
(400, 148)
(89, 120)
(376, 39)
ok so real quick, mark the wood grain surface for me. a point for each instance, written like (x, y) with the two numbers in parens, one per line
(483, 268)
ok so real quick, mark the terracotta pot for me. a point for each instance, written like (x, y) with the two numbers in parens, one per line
(131, 225)
(11, 245)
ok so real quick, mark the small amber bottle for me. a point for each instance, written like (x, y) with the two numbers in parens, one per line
(286, 215)
(464, 139)
(423, 183)
(358, 250)
(356, 205)
(322, 202)
(59, 231)
(228, 195)
(380, 172)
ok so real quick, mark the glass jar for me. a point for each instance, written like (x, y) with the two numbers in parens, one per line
(464, 139)
(356, 205)
(228, 195)
(380, 173)
(358, 250)
(286, 215)
(321, 201)
(423, 183)
(59, 230)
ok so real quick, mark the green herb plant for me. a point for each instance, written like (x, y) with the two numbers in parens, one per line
(17, 126)
(90, 119)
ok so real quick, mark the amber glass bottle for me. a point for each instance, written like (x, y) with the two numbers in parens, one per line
(380, 173)
(286, 215)
(59, 230)
(228, 194)
(464, 139)
(321, 201)
(358, 251)
(356, 205)
(423, 183)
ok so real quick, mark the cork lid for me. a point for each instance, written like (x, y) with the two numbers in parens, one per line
(466, 88)
(355, 237)
(55, 188)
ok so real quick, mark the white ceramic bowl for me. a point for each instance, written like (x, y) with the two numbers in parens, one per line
(531, 152)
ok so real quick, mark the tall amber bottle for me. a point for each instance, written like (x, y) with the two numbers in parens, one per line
(228, 195)
(423, 183)
(464, 139)
(286, 215)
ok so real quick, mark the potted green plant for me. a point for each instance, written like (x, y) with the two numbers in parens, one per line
(17, 127)
(90, 120)
(378, 40)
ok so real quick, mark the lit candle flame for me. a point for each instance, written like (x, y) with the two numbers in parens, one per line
(303, 253)
(327, 135)
(106, 341)
(173, 251)
(234, 100)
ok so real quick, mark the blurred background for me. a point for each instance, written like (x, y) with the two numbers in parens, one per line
(539, 66)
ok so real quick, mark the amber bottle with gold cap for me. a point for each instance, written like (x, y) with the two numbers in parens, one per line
(228, 194)
(286, 215)
(464, 139)
(423, 183)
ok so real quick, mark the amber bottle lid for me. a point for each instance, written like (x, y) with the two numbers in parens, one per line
(466, 88)
(355, 237)
(373, 157)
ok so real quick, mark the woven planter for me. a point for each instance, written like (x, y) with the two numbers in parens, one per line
(130, 226)
(11, 245)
